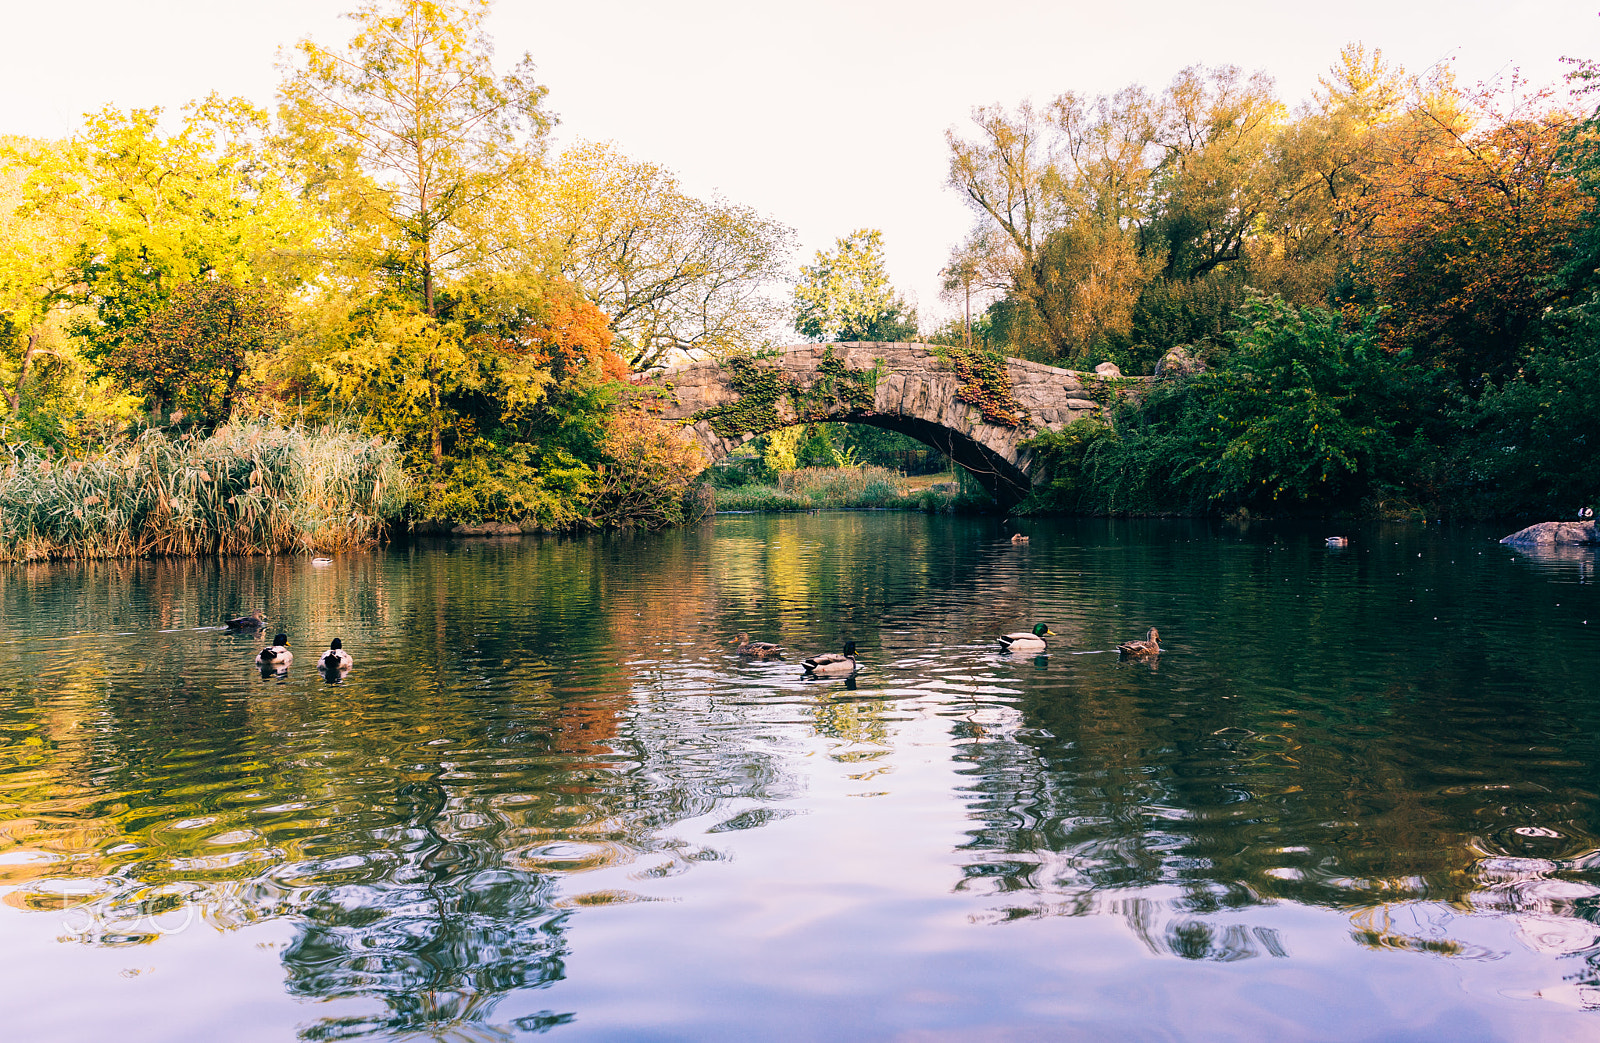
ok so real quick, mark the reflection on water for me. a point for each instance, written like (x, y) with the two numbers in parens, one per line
(550, 797)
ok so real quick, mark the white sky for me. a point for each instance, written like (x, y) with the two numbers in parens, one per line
(827, 115)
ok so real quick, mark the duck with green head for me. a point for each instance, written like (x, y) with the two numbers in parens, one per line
(1023, 641)
(335, 659)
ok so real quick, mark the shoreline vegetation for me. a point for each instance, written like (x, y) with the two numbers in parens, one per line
(246, 489)
(837, 488)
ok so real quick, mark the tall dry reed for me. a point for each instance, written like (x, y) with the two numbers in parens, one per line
(246, 489)
(866, 486)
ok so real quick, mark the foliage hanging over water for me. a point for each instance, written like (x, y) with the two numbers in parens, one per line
(1298, 416)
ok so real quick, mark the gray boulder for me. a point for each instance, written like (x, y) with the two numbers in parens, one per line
(1178, 362)
(1552, 534)
(1108, 369)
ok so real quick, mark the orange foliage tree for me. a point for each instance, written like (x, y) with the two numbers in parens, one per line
(1468, 219)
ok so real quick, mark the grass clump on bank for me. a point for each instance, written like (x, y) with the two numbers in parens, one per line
(819, 488)
(245, 489)
(866, 486)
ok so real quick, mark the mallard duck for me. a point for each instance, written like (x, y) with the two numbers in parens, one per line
(1138, 649)
(832, 664)
(276, 654)
(1338, 541)
(320, 561)
(335, 659)
(757, 649)
(1019, 538)
(1023, 641)
(256, 620)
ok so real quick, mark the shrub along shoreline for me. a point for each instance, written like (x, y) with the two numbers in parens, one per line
(257, 488)
(245, 489)
(839, 488)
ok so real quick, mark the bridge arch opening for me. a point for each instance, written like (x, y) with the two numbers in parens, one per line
(999, 477)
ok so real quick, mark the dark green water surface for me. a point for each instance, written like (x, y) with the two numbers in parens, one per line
(1358, 798)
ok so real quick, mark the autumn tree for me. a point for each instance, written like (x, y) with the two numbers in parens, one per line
(1469, 218)
(37, 270)
(1007, 175)
(420, 137)
(1323, 160)
(149, 212)
(428, 130)
(1093, 199)
(194, 351)
(1214, 181)
(679, 276)
(845, 295)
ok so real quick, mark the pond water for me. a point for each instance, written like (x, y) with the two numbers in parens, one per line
(1357, 798)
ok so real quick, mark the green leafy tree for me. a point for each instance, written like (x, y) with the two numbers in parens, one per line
(846, 294)
(1301, 407)
(151, 212)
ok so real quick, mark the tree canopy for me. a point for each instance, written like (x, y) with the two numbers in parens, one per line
(845, 294)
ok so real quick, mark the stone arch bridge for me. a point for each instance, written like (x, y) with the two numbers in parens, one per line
(975, 409)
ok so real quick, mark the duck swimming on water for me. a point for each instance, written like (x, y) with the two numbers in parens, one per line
(276, 654)
(256, 620)
(832, 664)
(757, 649)
(1024, 641)
(335, 659)
(1140, 649)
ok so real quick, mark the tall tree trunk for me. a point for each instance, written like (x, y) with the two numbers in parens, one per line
(436, 439)
(966, 328)
(22, 374)
(227, 396)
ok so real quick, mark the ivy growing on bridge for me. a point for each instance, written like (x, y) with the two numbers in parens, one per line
(984, 383)
(838, 385)
(1108, 391)
(761, 387)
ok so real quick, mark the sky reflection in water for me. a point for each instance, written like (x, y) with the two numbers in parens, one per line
(1355, 799)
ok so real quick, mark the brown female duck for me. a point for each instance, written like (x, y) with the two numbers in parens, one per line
(256, 620)
(757, 649)
(1139, 649)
